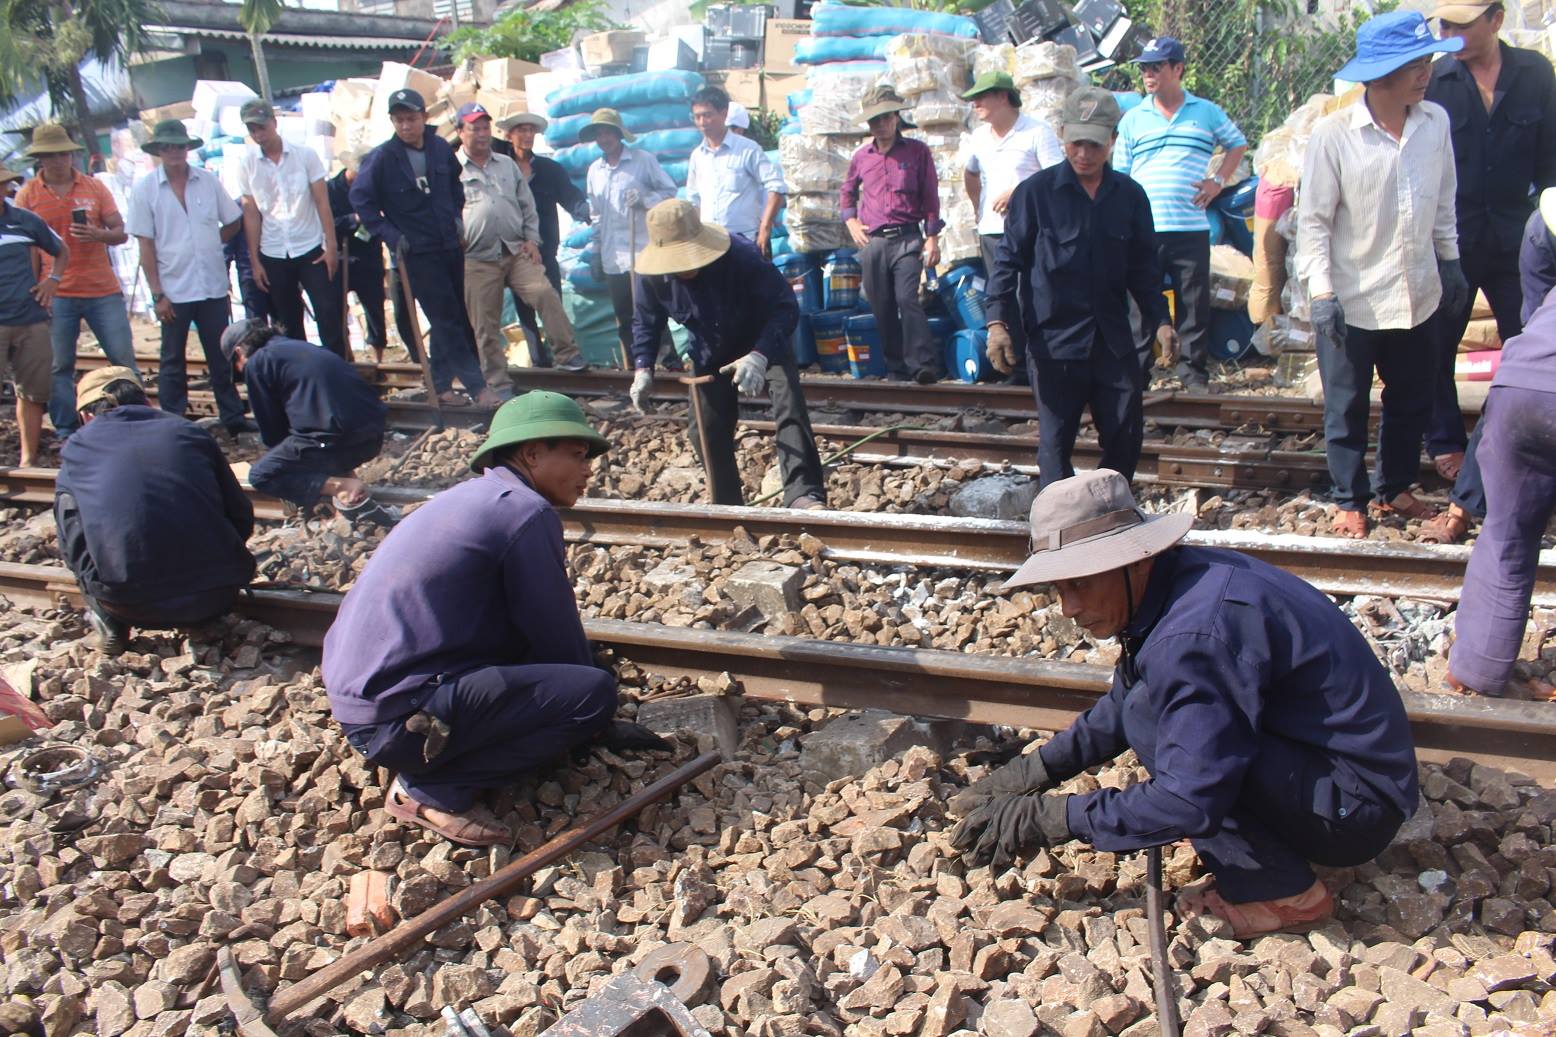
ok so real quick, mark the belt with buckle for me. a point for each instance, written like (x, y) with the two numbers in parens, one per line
(895, 230)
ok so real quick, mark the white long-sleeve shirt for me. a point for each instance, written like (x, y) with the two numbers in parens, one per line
(617, 223)
(1375, 214)
(729, 184)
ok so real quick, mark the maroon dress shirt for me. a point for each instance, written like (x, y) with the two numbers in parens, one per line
(895, 188)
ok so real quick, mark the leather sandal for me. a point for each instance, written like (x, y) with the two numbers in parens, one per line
(1517, 689)
(1352, 525)
(1405, 505)
(1449, 465)
(453, 398)
(1296, 914)
(1447, 528)
(464, 829)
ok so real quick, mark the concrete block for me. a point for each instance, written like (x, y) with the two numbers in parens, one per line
(713, 715)
(853, 743)
(772, 589)
(995, 497)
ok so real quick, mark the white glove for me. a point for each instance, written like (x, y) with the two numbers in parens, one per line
(631, 198)
(642, 381)
(750, 373)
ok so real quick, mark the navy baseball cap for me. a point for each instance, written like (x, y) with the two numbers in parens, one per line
(1161, 48)
(470, 111)
(407, 99)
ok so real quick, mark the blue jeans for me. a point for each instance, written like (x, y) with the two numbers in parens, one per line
(110, 322)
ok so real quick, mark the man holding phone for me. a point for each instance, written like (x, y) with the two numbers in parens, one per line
(81, 210)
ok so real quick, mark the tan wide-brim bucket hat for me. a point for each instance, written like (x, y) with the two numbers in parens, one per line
(604, 117)
(1089, 524)
(679, 241)
(882, 100)
(49, 139)
(527, 119)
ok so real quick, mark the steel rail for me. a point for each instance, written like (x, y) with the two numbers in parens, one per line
(1335, 566)
(980, 689)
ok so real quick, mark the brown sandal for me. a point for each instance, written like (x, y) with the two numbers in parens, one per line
(1296, 914)
(1449, 465)
(464, 829)
(1518, 689)
(454, 398)
(1448, 528)
(1352, 525)
(1405, 505)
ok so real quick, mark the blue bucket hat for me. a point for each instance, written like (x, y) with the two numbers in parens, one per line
(1391, 41)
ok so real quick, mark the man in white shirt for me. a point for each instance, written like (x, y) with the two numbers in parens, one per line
(729, 178)
(1378, 249)
(1005, 149)
(290, 230)
(180, 216)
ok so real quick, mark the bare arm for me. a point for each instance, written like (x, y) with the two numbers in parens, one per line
(321, 201)
(148, 266)
(973, 184)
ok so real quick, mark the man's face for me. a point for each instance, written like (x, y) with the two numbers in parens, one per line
(558, 469)
(1159, 75)
(884, 127)
(709, 120)
(991, 105)
(522, 137)
(55, 167)
(263, 133)
(1086, 157)
(409, 125)
(688, 275)
(609, 140)
(1479, 36)
(476, 137)
(1409, 82)
(1097, 603)
(175, 157)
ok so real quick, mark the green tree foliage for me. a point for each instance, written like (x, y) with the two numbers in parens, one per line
(526, 36)
(257, 17)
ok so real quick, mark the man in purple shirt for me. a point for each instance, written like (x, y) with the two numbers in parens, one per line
(458, 660)
(891, 203)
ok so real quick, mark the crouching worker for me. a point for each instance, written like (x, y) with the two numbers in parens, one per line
(319, 418)
(458, 660)
(151, 519)
(1273, 738)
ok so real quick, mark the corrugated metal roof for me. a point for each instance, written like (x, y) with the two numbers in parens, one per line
(290, 39)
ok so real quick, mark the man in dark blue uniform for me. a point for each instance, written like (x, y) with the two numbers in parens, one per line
(1273, 737)
(1082, 236)
(151, 519)
(408, 193)
(741, 314)
(319, 418)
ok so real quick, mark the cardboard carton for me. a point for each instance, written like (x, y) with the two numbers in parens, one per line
(505, 73)
(610, 48)
(395, 76)
(502, 104)
(783, 35)
(776, 88)
(743, 85)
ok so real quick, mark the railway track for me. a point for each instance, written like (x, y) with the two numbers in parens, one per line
(979, 689)
(1335, 566)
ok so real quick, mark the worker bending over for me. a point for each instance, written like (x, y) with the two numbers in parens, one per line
(1273, 737)
(741, 314)
(151, 519)
(458, 660)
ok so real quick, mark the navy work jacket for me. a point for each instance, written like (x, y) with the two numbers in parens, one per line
(297, 387)
(393, 205)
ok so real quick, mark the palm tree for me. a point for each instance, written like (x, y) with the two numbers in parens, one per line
(256, 17)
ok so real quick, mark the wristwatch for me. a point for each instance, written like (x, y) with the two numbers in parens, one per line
(1218, 179)
(156, 297)
(55, 278)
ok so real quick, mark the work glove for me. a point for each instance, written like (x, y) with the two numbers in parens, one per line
(631, 198)
(1008, 827)
(1023, 774)
(1329, 319)
(1456, 290)
(1166, 345)
(642, 382)
(1001, 350)
(750, 373)
(624, 736)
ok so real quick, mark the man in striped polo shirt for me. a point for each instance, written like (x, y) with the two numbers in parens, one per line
(1165, 143)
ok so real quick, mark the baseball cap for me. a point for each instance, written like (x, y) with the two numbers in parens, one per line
(234, 334)
(1161, 48)
(407, 99)
(470, 111)
(1461, 13)
(1091, 114)
(94, 384)
(256, 110)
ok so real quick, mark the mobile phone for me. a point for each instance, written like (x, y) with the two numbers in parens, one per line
(78, 216)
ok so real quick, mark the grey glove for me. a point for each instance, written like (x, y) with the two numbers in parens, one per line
(1329, 319)
(1456, 290)
(1009, 827)
(1025, 773)
(642, 382)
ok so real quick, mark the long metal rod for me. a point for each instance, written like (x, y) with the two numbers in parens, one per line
(1161, 969)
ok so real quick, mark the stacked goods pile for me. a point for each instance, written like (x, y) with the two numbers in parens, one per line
(1046, 73)
(931, 72)
(654, 106)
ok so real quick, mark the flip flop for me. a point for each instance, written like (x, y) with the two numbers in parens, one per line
(1295, 914)
(464, 830)
(1449, 465)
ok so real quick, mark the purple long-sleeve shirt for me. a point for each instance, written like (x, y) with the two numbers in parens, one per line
(475, 577)
(897, 187)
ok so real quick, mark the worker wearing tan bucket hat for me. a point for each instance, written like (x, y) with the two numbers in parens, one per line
(1273, 737)
(741, 314)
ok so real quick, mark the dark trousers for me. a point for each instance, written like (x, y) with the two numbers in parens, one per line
(798, 460)
(1110, 385)
(365, 279)
(539, 352)
(503, 720)
(1185, 259)
(620, 286)
(295, 468)
(1497, 276)
(188, 610)
(402, 314)
(1469, 489)
(438, 283)
(289, 279)
(256, 303)
(209, 316)
(1405, 361)
(1518, 461)
(892, 269)
(988, 247)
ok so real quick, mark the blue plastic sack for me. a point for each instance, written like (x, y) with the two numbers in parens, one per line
(665, 145)
(580, 237)
(666, 115)
(833, 19)
(583, 281)
(799, 99)
(676, 170)
(790, 128)
(822, 50)
(622, 92)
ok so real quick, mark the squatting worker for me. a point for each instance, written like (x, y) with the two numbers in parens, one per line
(740, 313)
(363, 256)
(408, 193)
(25, 301)
(180, 215)
(729, 177)
(290, 232)
(622, 184)
(1378, 251)
(151, 520)
(1004, 149)
(1166, 144)
(1273, 737)
(458, 659)
(1517, 458)
(1501, 105)
(81, 210)
(319, 418)
(891, 204)
(1078, 244)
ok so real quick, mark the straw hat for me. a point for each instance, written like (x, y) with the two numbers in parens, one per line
(49, 139)
(537, 415)
(679, 241)
(1089, 524)
(94, 384)
(881, 100)
(522, 119)
(7, 174)
(604, 117)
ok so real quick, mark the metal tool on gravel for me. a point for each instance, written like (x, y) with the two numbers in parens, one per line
(421, 342)
(693, 382)
(1161, 969)
(629, 1007)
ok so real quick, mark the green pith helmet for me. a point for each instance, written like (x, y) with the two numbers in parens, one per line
(537, 415)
